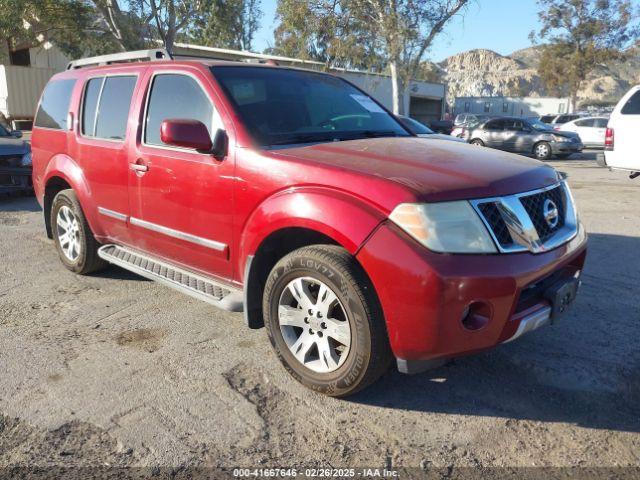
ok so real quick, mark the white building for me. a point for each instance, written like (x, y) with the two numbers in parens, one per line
(511, 106)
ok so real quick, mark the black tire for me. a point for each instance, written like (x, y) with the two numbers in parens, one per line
(369, 355)
(542, 151)
(477, 142)
(87, 260)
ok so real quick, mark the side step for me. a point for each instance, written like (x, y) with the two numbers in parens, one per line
(198, 286)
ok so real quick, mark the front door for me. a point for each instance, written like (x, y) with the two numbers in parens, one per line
(181, 200)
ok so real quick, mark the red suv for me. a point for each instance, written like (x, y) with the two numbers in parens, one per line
(298, 199)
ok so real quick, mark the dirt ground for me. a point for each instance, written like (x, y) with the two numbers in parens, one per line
(112, 370)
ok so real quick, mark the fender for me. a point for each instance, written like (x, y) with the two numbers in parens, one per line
(345, 218)
(66, 168)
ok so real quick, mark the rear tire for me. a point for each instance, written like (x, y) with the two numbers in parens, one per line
(318, 284)
(477, 142)
(542, 151)
(75, 243)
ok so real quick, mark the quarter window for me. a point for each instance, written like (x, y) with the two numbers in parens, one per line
(54, 106)
(175, 96)
(632, 107)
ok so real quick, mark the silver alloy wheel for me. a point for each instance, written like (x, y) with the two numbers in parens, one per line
(542, 150)
(68, 232)
(314, 324)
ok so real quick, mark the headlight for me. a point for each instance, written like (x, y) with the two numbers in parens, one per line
(558, 138)
(451, 227)
(25, 161)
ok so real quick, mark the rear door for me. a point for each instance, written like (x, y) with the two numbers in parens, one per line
(181, 199)
(101, 144)
(625, 122)
(493, 133)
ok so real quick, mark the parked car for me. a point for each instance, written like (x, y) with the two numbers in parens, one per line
(465, 118)
(441, 126)
(423, 131)
(524, 136)
(559, 119)
(15, 162)
(622, 139)
(297, 198)
(591, 130)
(462, 130)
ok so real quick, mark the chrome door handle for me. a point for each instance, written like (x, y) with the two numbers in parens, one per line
(136, 167)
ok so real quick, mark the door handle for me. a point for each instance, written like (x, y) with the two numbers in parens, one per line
(139, 166)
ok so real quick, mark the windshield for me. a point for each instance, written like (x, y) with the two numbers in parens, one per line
(415, 126)
(540, 125)
(283, 106)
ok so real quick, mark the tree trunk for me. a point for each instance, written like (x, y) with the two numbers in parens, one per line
(574, 102)
(396, 89)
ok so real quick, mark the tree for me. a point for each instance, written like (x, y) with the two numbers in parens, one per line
(393, 33)
(226, 23)
(581, 35)
(171, 17)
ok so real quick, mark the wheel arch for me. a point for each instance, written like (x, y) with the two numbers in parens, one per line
(294, 219)
(63, 173)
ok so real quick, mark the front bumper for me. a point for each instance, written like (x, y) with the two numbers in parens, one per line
(425, 295)
(566, 147)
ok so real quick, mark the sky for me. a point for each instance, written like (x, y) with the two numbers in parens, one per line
(499, 25)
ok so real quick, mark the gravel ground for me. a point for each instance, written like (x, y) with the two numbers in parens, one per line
(113, 370)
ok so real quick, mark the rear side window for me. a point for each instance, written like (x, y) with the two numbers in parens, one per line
(175, 96)
(54, 106)
(632, 107)
(585, 123)
(106, 106)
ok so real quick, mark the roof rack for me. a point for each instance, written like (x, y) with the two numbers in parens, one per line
(137, 55)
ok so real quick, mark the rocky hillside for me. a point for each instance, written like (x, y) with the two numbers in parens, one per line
(486, 73)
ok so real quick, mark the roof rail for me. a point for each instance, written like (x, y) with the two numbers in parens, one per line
(137, 55)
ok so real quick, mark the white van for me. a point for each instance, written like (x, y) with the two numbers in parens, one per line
(622, 140)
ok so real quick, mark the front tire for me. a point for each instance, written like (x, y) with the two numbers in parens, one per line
(324, 321)
(477, 142)
(542, 151)
(75, 243)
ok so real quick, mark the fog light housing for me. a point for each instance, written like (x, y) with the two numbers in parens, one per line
(476, 316)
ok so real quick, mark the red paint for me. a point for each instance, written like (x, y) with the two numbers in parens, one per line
(186, 134)
(343, 190)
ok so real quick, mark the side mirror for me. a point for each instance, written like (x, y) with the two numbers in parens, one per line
(220, 144)
(16, 133)
(186, 133)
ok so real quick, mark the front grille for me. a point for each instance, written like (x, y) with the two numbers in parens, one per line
(531, 206)
(534, 205)
(496, 223)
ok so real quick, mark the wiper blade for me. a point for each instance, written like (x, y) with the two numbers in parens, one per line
(301, 138)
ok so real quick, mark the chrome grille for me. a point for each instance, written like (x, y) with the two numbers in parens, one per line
(534, 204)
(517, 223)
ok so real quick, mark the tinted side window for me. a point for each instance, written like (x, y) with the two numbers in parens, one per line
(113, 112)
(585, 123)
(54, 106)
(175, 96)
(601, 122)
(632, 107)
(495, 125)
(90, 104)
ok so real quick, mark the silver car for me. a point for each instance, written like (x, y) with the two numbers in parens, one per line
(524, 136)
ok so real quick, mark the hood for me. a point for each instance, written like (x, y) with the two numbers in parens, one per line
(565, 133)
(433, 171)
(13, 146)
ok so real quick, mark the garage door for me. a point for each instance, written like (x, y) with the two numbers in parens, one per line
(425, 109)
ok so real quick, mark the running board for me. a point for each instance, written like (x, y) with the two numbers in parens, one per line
(198, 286)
